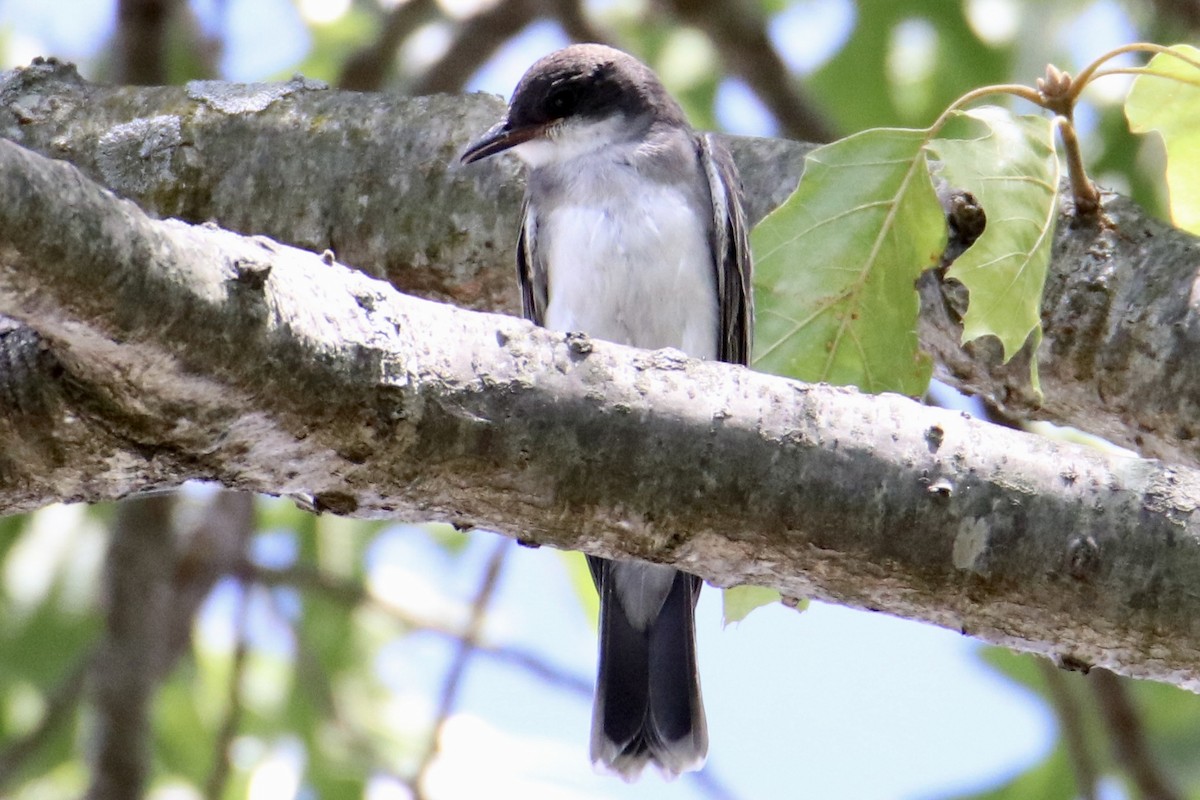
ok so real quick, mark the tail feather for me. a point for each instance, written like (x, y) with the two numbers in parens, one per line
(648, 707)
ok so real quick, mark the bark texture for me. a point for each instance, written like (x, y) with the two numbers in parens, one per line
(192, 352)
(375, 178)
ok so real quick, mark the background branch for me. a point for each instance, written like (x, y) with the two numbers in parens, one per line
(352, 594)
(739, 31)
(1128, 738)
(1071, 724)
(141, 41)
(462, 656)
(367, 69)
(474, 42)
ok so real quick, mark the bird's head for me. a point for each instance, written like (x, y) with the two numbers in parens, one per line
(576, 100)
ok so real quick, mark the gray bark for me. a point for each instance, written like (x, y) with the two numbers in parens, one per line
(375, 178)
(165, 351)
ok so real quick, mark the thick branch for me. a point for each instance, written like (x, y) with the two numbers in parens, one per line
(375, 178)
(207, 355)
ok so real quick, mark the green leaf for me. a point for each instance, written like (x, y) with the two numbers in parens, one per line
(581, 583)
(837, 262)
(739, 601)
(863, 86)
(1171, 106)
(1012, 170)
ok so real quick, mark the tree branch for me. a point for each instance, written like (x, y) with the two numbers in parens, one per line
(739, 31)
(202, 354)
(139, 50)
(474, 42)
(367, 69)
(130, 660)
(380, 185)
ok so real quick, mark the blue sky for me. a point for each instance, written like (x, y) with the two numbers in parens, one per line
(829, 703)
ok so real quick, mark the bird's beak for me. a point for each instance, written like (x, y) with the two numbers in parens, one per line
(499, 138)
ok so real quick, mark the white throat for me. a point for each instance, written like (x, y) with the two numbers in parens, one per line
(571, 139)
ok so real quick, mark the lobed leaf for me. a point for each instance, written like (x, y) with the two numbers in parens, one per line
(837, 262)
(1012, 169)
(1168, 101)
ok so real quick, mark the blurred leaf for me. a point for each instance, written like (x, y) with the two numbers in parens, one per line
(581, 583)
(836, 264)
(1170, 717)
(1012, 170)
(68, 778)
(1118, 157)
(332, 780)
(690, 69)
(858, 89)
(342, 543)
(280, 513)
(184, 738)
(1051, 779)
(739, 601)
(11, 528)
(1171, 106)
(45, 646)
(333, 43)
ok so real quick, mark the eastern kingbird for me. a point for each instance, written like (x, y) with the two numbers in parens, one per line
(633, 232)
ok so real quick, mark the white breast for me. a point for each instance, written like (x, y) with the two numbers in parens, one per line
(631, 263)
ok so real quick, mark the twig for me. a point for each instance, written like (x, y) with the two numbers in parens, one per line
(1070, 721)
(311, 674)
(466, 648)
(1129, 738)
(350, 593)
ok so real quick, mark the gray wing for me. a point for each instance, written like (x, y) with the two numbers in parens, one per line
(531, 271)
(731, 249)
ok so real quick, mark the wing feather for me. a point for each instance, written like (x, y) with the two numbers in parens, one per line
(731, 251)
(531, 270)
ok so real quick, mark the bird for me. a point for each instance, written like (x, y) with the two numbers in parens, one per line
(632, 231)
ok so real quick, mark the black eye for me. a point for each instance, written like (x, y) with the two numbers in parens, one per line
(561, 101)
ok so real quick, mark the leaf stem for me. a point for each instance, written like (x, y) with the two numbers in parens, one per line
(1015, 89)
(1087, 198)
(1145, 71)
(1092, 70)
